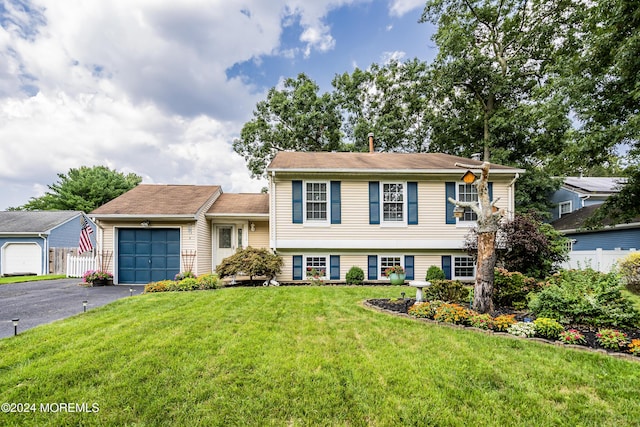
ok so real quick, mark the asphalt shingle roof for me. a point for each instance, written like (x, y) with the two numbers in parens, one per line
(154, 199)
(593, 184)
(33, 221)
(243, 203)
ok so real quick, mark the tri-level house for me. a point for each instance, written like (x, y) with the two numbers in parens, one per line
(323, 211)
(332, 211)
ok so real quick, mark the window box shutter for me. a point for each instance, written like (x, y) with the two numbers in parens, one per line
(374, 202)
(334, 267)
(297, 267)
(409, 271)
(490, 190)
(412, 203)
(296, 202)
(336, 214)
(372, 270)
(446, 266)
(450, 191)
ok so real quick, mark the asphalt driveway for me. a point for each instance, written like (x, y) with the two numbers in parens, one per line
(40, 302)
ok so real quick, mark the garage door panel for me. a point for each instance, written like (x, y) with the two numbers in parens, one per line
(148, 255)
(22, 258)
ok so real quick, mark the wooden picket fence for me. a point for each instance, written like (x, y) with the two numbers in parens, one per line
(78, 265)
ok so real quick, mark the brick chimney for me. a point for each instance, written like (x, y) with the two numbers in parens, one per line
(371, 150)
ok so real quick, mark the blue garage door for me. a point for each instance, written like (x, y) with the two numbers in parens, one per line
(148, 255)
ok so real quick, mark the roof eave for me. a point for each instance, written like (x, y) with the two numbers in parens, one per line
(389, 171)
(144, 216)
(605, 228)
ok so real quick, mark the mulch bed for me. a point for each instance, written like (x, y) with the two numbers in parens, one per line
(401, 305)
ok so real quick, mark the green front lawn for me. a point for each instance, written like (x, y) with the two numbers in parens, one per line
(301, 356)
(19, 279)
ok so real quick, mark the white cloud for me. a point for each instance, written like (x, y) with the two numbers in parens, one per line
(400, 7)
(388, 57)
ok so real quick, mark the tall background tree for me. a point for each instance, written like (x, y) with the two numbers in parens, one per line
(83, 189)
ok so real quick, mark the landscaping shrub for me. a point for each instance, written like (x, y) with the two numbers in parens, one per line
(188, 284)
(355, 276)
(251, 262)
(208, 281)
(426, 310)
(511, 288)
(612, 339)
(482, 321)
(184, 275)
(522, 329)
(162, 286)
(501, 323)
(446, 290)
(634, 347)
(435, 273)
(451, 313)
(572, 336)
(548, 328)
(585, 297)
(629, 268)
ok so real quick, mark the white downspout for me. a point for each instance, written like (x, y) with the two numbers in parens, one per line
(45, 266)
(272, 212)
(512, 203)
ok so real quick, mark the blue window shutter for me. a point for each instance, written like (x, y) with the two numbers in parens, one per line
(297, 267)
(490, 189)
(412, 202)
(372, 273)
(334, 266)
(450, 191)
(446, 266)
(336, 214)
(409, 271)
(374, 202)
(296, 190)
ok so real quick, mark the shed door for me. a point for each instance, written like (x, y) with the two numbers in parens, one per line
(22, 258)
(148, 255)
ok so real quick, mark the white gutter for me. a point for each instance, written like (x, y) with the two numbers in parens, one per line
(272, 212)
(606, 227)
(389, 171)
(143, 216)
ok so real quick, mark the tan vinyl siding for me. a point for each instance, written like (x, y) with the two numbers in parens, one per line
(260, 237)
(355, 214)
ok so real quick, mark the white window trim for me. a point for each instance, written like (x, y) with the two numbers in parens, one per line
(327, 261)
(568, 202)
(380, 276)
(316, 222)
(405, 205)
(453, 269)
(461, 222)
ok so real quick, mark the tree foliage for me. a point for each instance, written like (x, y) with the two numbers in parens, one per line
(296, 118)
(251, 262)
(83, 189)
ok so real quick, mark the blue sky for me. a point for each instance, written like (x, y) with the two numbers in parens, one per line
(161, 88)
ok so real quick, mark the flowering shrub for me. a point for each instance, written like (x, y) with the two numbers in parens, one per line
(629, 268)
(502, 322)
(184, 275)
(482, 321)
(451, 313)
(572, 336)
(162, 286)
(208, 281)
(315, 275)
(188, 284)
(426, 310)
(91, 276)
(522, 329)
(634, 347)
(548, 328)
(611, 339)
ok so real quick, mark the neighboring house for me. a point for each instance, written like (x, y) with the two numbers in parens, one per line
(26, 238)
(332, 211)
(156, 231)
(579, 192)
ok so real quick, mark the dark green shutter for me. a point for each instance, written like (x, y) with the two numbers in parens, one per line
(412, 202)
(372, 270)
(450, 191)
(296, 191)
(297, 267)
(374, 202)
(409, 271)
(336, 214)
(446, 266)
(334, 265)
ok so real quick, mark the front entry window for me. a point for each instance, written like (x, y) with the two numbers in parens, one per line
(224, 238)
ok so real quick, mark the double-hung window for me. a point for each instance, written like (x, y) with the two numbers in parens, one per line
(316, 196)
(564, 208)
(393, 203)
(316, 266)
(464, 267)
(468, 193)
(387, 262)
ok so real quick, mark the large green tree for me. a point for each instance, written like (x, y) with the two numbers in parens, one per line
(83, 189)
(296, 118)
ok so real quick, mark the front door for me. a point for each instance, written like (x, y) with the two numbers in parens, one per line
(225, 244)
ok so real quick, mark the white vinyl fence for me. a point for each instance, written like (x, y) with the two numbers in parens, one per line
(78, 265)
(599, 259)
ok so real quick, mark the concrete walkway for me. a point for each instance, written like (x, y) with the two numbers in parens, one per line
(40, 302)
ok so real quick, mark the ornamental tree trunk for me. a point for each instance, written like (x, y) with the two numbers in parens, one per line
(483, 289)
